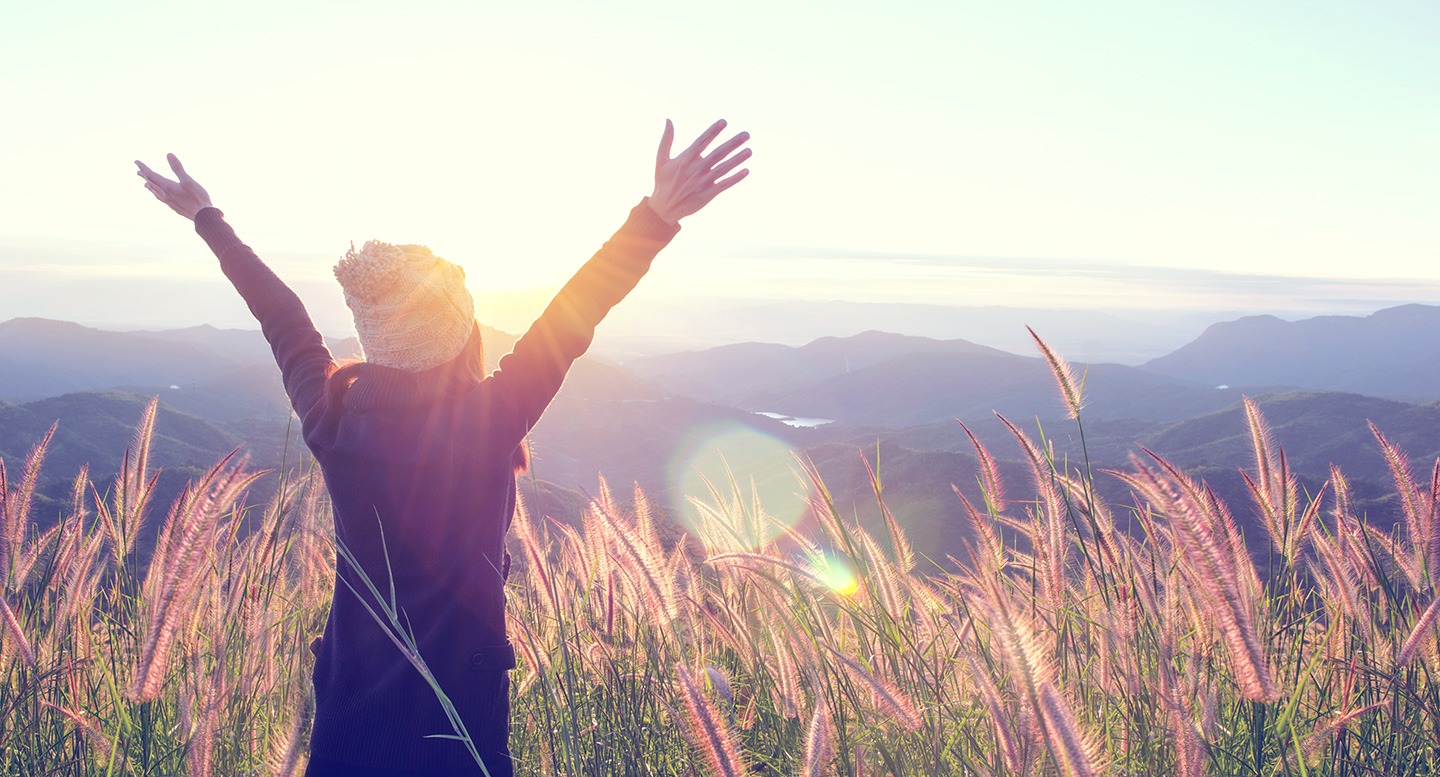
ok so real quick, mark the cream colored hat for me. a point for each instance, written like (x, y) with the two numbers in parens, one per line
(412, 310)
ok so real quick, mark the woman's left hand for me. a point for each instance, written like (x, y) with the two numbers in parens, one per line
(184, 196)
(688, 182)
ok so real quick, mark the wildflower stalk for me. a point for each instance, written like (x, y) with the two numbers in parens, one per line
(403, 640)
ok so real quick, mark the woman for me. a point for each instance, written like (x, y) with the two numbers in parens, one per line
(416, 444)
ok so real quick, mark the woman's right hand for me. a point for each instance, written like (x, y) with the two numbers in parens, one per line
(184, 196)
(686, 183)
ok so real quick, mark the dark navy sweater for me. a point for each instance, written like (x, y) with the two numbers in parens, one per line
(430, 460)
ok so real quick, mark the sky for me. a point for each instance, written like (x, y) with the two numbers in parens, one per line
(1216, 156)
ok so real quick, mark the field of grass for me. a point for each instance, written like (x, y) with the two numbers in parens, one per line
(1083, 638)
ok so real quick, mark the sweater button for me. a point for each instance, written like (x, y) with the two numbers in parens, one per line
(477, 658)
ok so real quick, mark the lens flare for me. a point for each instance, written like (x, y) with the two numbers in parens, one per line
(731, 468)
(837, 573)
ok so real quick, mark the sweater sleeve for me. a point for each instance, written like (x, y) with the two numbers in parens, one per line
(299, 350)
(527, 378)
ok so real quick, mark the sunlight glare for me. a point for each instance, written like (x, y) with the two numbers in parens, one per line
(760, 466)
(837, 573)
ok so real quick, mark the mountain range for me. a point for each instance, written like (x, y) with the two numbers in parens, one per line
(1319, 382)
(1392, 353)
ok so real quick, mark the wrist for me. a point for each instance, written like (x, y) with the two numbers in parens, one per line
(201, 215)
(659, 209)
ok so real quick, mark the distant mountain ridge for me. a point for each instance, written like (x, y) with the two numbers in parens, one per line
(1121, 336)
(731, 373)
(921, 388)
(1392, 353)
(632, 421)
(894, 381)
(1316, 429)
(42, 358)
(245, 346)
(216, 374)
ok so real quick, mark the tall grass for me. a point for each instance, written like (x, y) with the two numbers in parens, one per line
(195, 665)
(1064, 644)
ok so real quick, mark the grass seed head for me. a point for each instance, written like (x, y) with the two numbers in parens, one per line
(708, 729)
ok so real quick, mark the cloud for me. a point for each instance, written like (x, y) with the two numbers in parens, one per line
(1091, 283)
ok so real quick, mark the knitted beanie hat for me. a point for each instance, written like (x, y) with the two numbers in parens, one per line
(412, 310)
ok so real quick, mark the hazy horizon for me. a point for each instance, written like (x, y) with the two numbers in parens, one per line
(1189, 160)
(1125, 336)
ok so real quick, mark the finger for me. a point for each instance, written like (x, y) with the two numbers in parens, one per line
(153, 177)
(178, 168)
(705, 139)
(726, 183)
(729, 164)
(145, 171)
(724, 149)
(667, 138)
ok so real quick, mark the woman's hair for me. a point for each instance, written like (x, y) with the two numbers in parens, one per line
(452, 378)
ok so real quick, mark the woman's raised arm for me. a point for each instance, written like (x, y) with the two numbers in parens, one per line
(528, 377)
(299, 350)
